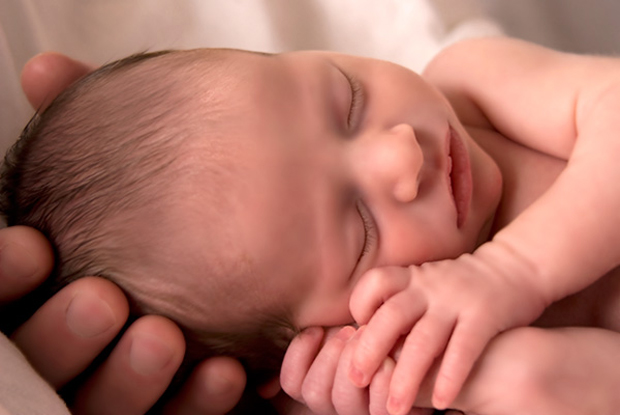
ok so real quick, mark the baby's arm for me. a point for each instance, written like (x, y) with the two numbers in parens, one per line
(557, 371)
(563, 105)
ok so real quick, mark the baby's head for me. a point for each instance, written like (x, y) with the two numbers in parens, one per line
(122, 170)
(243, 195)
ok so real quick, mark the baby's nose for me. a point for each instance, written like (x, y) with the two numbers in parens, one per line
(394, 159)
(408, 159)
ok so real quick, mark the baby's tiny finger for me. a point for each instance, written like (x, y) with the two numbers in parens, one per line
(318, 384)
(466, 345)
(374, 288)
(392, 320)
(347, 398)
(422, 346)
(379, 388)
(298, 359)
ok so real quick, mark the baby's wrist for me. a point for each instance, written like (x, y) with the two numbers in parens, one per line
(517, 270)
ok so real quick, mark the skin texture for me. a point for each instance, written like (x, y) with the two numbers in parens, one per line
(364, 148)
(397, 186)
(394, 296)
(523, 370)
(148, 353)
(348, 189)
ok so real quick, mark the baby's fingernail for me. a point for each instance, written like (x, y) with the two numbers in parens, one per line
(88, 315)
(346, 333)
(357, 377)
(312, 332)
(439, 403)
(394, 406)
(148, 355)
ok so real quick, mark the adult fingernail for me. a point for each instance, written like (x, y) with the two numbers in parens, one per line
(219, 385)
(148, 355)
(88, 315)
(16, 262)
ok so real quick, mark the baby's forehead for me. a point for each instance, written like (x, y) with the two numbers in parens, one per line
(212, 275)
(242, 253)
(238, 185)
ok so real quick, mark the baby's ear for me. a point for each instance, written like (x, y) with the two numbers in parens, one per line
(48, 74)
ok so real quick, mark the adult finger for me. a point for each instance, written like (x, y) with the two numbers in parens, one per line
(214, 388)
(66, 333)
(137, 372)
(46, 75)
(26, 259)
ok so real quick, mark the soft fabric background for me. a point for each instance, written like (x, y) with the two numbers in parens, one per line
(408, 32)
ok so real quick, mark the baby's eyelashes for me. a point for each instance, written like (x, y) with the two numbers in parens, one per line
(370, 230)
(357, 102)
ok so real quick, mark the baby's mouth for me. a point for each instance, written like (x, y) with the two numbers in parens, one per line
(459, 175)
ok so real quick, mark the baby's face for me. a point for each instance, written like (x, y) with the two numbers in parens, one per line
(347, 164)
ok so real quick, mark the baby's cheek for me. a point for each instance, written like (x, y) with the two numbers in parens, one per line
(324, 310)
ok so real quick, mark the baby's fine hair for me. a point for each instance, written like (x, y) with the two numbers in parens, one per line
(103, 153)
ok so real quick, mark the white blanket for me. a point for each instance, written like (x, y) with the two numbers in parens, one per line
(22, 391)
(409, 32)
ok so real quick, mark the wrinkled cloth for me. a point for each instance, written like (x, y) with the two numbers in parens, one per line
(22, 391)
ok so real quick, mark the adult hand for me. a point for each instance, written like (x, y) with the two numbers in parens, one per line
(71, 329)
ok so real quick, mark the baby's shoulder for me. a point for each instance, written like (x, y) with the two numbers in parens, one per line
(509, 85)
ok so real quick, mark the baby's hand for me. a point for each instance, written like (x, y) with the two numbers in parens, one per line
(314, 372)
(452, 307)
